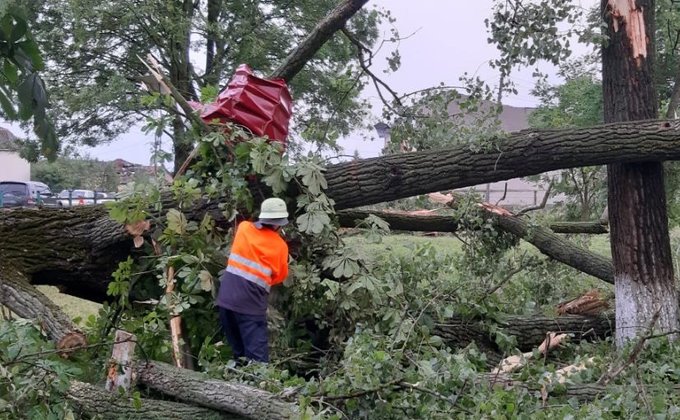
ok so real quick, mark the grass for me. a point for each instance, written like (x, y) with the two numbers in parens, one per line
(399, 244)
(73, 307)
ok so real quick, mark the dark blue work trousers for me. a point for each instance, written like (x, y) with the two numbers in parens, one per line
(247, 334)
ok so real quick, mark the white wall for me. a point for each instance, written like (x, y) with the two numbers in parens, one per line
(13, 168)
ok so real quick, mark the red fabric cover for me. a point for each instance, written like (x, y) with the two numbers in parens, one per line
(262, 106)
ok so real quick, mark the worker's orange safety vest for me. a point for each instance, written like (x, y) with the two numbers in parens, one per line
(258, 255)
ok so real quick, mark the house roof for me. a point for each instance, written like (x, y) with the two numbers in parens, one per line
(8, 141)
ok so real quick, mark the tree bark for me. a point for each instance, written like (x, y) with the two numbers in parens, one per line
(199, 389)
(529, 152)
(28, 302)
(589, 227)
(77, 249)
(529, 331)
(323, 31)
(74, 249)
(643, 266)
(95, 401)
(437, 223)
(558, 247)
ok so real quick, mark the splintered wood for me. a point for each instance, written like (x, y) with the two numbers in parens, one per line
(119, 373)
(513, 363)
(627, 14)
(590, 304)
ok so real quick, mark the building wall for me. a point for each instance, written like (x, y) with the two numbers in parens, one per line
(515, 193)
(13, 167)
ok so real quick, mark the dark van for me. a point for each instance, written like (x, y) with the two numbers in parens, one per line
(23, 193)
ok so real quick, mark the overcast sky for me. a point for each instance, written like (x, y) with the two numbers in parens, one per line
(446, 38)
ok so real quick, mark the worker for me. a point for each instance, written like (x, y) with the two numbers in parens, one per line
(258, 261)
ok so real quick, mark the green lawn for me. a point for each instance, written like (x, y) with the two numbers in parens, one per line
(400, 244)
(73, 306)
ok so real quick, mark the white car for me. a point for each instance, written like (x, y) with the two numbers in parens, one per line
(70, 198)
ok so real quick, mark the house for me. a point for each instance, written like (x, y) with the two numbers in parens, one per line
(128, 172)
(513, 193)
(12, 166)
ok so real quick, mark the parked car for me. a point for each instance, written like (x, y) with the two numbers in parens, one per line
(70, 198)
(23, 193)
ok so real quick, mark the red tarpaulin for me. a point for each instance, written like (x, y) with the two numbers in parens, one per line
(262, 106)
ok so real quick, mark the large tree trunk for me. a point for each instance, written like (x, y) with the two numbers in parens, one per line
(643, 267)
(22, 298)
(529, 152)
(197, 388)
(458, 332)
(410, 222)
(96, 402)
(77, 249)
(74, 249)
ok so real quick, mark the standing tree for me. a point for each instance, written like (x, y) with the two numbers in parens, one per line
(643, 268)
(575, 103)
(22, 91)
(93, 51)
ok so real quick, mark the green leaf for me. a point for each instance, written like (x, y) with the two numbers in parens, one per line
(30, 49)
(276, 180)
(9, 70)
(312, 177)
(177, 222)
(313, 222)
(206, 280)
(19, 30)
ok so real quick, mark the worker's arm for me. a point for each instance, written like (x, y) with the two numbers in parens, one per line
(281, 272)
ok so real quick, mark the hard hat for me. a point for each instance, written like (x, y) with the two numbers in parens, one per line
(273, 208)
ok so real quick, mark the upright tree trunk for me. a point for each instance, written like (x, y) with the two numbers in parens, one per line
(181, 78)
(643, 268)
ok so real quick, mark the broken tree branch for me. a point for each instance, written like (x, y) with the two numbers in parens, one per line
(530, 152)
(409, 222)
(198, 388)
(17, 294)
(323, 31)
(99, 403)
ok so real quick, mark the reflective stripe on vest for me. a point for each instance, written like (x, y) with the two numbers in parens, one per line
(249, 276)
(250, 263)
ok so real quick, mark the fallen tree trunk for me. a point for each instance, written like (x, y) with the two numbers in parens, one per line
(529, 331)
(87, 245)
(196, 388)
(557, 247)
(438, 223)
(77, 249)
(26, 301)
(95, 401)
(529, 152)
(542, 238)
(593, 228)
(74, 249)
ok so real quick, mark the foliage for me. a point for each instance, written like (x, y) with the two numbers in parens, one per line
(575, 103)
(525, 32)
(94, 47)
(33, 378)
(22, 91)
(65, 173)
(356, 332)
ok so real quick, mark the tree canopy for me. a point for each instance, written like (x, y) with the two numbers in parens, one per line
(94, 68)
